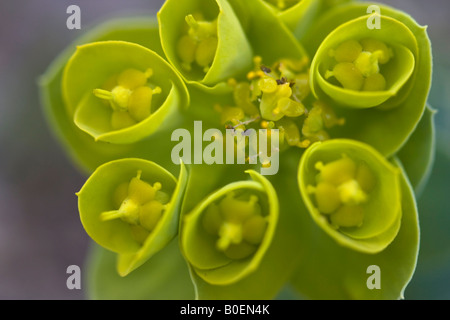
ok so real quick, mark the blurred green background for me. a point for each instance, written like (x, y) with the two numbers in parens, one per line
(40, 231)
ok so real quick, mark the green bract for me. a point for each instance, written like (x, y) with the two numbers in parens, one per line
(343, 270)
(389, 125)
(208, 49)
(352, 193)
(389, 52)
(417, 155)
(131, 207)
(104, 87)
(87, 153)
(227, 235)
(271, 45)
(155, 279)
(297, 15)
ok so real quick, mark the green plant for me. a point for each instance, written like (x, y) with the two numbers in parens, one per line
(355, 144)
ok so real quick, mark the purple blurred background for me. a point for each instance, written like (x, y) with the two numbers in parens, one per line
(40, 231)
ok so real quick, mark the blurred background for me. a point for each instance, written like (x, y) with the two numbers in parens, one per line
(40, 231)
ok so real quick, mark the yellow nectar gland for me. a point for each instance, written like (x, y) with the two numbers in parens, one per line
(199, 43)
(320, 117)
(273, 98)
(130, 97)
(342, 189)
(358, 64)
(242, 97)
(232, 115)
(237, 223)
(139, 204)
(290, 133)
(280, 90)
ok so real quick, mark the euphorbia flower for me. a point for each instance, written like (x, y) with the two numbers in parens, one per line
(118, 99)
(370, 66)
(391, 115)
(204, 40)
(352, 193)
(226, 236)
(131, 207)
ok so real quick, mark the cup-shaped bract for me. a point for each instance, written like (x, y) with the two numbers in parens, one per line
(85, 152)
(131, 207)
(352, 192)
(271, 44)
(385, 125)
(342, 269)
(121, 92)
(227, 235)
(358, 67)
(204, 40)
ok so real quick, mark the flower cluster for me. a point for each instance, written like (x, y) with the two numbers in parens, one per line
(355, 148)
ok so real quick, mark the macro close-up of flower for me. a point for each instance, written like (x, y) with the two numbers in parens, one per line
(225, 150)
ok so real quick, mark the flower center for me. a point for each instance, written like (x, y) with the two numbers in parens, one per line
(358, 64)
(237, 223)
(198, 44)
(139, 204)
(274, 98)
(130, 97)
(342, 189)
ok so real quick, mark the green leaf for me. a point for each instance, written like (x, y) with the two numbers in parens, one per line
(99, 198)
(417, 155)
(386, 129)
(164, 277)
(341, 273)
(349, 166)
(233, 54)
